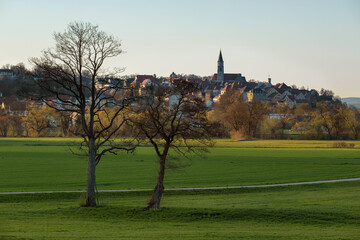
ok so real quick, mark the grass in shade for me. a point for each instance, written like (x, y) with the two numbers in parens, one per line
(322, 211)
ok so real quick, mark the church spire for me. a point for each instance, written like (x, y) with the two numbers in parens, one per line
(220, 57)
(220, 70)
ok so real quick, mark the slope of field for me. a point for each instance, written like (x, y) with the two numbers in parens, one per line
(48, 164)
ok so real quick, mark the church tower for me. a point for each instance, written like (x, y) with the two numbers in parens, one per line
(220, 71)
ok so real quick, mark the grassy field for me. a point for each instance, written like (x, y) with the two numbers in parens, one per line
(321, 211)
(48, 164)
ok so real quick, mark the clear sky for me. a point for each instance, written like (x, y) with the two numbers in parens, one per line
(310, 43)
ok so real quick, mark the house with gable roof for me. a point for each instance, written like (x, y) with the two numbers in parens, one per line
(256, 94)
(274, 97)
(301, 96)
(288, 100)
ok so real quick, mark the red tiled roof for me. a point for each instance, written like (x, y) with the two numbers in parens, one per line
(146, 81)
(282, 86)
(251, 85)
(140, 78)
(227, 76)
(291, 97)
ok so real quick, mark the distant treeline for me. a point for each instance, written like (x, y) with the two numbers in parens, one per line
(328, 120)
(230, 118)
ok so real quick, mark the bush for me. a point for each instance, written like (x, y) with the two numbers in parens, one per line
(342, 145)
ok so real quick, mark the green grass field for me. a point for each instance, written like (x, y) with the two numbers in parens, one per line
(48, 164)
(321, 211)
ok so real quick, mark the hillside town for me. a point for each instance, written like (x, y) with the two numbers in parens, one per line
(210, 89)
(235, 106)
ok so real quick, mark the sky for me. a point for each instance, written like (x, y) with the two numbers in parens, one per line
(315, 44)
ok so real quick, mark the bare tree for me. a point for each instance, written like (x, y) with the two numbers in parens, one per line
(172, 118)
(69, 80)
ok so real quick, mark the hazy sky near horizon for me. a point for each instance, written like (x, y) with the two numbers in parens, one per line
(315, 44)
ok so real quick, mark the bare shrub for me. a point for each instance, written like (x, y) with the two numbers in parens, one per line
(342, 145)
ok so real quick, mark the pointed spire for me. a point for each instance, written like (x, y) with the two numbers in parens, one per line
(220, 57)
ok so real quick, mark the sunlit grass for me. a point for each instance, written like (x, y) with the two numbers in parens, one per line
(39, 164)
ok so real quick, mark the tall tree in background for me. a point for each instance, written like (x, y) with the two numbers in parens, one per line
(352, 118)
(4, 123)
(172, 118)
(349, 120)
(69, 82)
(284, 117)
(242, 118)
(39, 120)
(328, 119)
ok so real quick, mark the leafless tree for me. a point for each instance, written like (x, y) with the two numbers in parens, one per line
(69, 80)
(172, 118)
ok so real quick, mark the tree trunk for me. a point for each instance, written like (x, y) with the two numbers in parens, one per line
(154, 202)
(90, 191)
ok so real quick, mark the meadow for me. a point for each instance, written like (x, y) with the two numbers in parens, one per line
(41, 164)
(320, 211)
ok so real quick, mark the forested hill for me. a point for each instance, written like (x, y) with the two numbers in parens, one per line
(354, 101)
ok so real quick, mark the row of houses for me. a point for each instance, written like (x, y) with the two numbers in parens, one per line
(211, 91)
(212, 88)
(265, 91)
(13, 105)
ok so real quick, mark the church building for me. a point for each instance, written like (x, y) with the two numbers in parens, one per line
(222, 77)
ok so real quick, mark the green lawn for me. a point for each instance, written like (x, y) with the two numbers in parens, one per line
(48, 164)
(321, 211)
